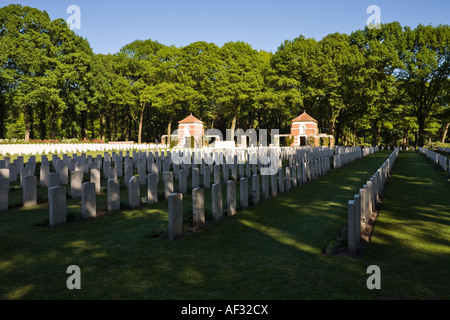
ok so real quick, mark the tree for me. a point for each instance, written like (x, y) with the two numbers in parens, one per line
(141, 68)
(238, 81)
(381, 49)
(425, 70)
(199, 63)
(45, 67)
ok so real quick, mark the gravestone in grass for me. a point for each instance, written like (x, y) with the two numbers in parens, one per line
(273, 185)
(176, 171)
(4, 174)
(142, 174)
(24, 171)
(217, 202)
(281, 183)
(95, 178)
(175, 215)
(195, 177)
(265, 186)
(57, 205)
(4, 188)
(63, 173)
(182, 181)
(255, 189)
(88, 200)
(53, 181)
(216, 174)
(357, 203)
(288, 178)
(134, 192)
(367, 208)
(118, 164)
(128, 175)
(166, 166)
(225, 172)
(207, 177)
(44, 171)
(112, 173)
(106, 166)
(351, 227)
(152, 188)
(79, 167)
(76, 180)
(72, 163)
(155, 171)
(198, 207)
(303, 173)
(168, 184)
(231, 197)
(113, 190)
(234, 174)
(85, 164)
(243, 192)
(362, 199)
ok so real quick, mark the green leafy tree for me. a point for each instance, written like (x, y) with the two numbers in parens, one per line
(425, 70)
(238, 81)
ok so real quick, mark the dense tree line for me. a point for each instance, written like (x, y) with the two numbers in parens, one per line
(388, 85)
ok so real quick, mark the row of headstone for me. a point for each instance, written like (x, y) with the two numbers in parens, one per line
(299, 172)
(82, 164)
(17, 168)
(362, 205)
(66, 148)
(263, 187)
(439, 159)
(350, 154)
(442, 149)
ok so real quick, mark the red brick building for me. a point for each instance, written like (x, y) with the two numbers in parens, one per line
(304, 127)
(189, 127)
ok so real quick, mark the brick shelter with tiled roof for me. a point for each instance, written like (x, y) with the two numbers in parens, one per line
(189, 127)
(305, 126)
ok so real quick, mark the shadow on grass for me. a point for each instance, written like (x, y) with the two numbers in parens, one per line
(269, 251)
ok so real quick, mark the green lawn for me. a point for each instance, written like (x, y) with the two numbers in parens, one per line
(270, 251)
(411, 241)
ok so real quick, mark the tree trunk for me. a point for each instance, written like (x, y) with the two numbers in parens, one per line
(405, 137)
(141, 122)
(92, 127)
(421, 121)
(444, 135)
(26, 119)
(338, 132)
(102, 127)
(2, 117)
(386, 137)
(83, 130)
(127, 126)
(333, 123)
(233, 127)
(375, 133)
(169, 132)
(42, 126)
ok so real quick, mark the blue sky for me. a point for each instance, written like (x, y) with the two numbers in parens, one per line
(264, 24)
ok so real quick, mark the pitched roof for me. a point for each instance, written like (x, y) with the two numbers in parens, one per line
(190, 119)
(304, 117)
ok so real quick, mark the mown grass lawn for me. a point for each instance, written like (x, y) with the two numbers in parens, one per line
(269, 251)
(411, 241)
